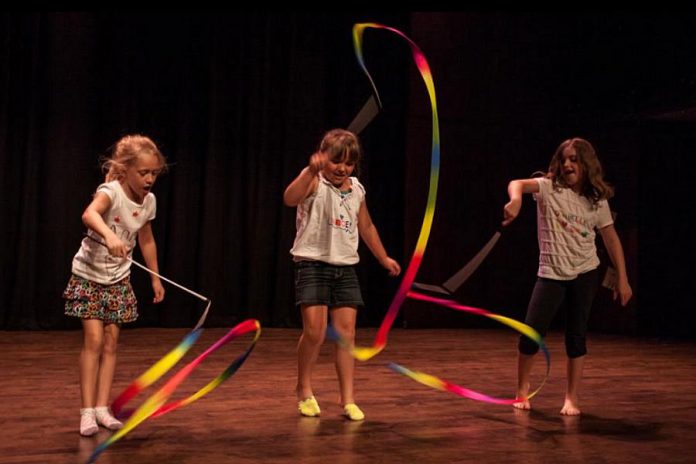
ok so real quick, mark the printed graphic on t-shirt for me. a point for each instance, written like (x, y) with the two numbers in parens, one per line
(123, 233)
(343, 223)
(572, 223)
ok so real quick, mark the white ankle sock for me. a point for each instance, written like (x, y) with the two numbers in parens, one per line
(105, 418)
(88, 422)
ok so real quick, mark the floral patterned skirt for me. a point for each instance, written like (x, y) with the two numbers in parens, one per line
(114, 303)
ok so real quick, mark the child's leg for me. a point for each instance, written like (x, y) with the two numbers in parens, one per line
(107, 366)
(343, 320)
(93, 331)
(524, 368)
(106, 377)
(570, 405)
(314, 319)
(545, 301)
(581, 292)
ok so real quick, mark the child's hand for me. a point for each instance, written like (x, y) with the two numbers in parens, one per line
(510, 211)
(158, 289)
(623, 291)
(116, 247)
(391, 266)
(317, 162)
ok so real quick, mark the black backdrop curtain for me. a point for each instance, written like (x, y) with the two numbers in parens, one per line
(238, 101)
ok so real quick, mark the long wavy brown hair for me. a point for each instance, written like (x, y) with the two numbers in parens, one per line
(593, 186)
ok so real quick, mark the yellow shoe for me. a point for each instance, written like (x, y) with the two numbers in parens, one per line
(353, 412)
(309, 407)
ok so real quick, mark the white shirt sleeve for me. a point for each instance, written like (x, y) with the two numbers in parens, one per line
(604, 214)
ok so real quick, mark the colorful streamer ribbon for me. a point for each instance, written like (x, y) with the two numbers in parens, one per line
(156, 405)
(439, 384)
(365, 353)
(404, 290)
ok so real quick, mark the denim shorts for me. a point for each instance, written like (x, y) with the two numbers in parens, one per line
(320, 283)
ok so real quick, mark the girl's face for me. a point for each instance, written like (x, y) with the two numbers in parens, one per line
(571, 168)
(141, 176)
(338, 170)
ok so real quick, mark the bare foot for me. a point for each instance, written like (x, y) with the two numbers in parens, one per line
(524, 403)
(570, 408)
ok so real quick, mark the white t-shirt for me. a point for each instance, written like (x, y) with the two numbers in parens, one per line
(566, 224)
(125, 218)
(327, 225)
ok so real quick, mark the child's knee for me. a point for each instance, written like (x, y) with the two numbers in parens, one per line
(575, 346)
(346, 333)
(314, 335)
(527, 346)
(109, 347)
(94, 344)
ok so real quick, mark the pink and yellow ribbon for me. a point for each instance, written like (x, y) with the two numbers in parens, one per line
(156, 405)
(365, 353)
(444, 385)
(404, 290)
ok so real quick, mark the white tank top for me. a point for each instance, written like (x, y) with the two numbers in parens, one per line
(327, 225)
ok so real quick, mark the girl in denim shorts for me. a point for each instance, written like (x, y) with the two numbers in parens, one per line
(331, 216)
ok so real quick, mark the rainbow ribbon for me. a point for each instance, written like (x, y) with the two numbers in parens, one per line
(365, 353)
(404, 290)
(439, 384)
(156, 405)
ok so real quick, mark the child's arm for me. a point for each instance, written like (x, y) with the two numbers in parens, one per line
(148, 248)
(306, 182)
(370, 236)
(92, 218)
(613, 246)
(515, 189)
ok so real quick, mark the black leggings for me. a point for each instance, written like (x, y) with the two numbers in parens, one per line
(547, 297)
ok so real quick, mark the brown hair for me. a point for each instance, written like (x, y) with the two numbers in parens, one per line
(340, 144)
(593, 186)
